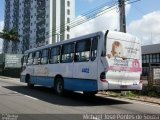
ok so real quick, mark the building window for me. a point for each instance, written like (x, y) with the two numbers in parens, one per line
(68, 36)
(154, 58)
(47, 24)
(68, 12)
(68, 20)
(47, 33)
(68, 3)
(158, 58)
(144, 58)
(147, 58)
(47, 42)
(150, 57)
(68, 29)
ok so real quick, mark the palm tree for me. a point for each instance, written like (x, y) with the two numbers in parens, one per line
(10, 35)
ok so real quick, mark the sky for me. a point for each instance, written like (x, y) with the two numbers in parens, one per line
(142, 17)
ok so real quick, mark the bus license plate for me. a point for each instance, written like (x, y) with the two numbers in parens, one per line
(123, 86)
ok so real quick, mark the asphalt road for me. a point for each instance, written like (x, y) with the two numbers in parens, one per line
(16, 98)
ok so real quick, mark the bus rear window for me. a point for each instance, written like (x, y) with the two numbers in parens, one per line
(123, 49)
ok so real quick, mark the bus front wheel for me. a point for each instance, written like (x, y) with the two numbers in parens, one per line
(59, 86)
(29, 84)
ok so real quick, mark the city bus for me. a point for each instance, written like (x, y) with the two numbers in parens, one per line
(101, 61)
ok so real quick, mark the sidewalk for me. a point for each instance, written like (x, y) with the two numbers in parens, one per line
(148, 99)
(4, 77)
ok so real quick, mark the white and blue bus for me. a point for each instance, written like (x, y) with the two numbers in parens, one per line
(102, 61)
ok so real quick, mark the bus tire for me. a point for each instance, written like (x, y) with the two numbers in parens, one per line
(28, 80)
(59, 86)
(93, 93)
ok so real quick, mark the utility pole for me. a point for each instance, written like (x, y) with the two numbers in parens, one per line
(122, 16)
(122, 22)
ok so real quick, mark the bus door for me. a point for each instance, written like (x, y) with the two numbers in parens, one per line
(67, 58)
(85, 65)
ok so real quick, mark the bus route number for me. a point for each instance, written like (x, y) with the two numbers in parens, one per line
(85, 70)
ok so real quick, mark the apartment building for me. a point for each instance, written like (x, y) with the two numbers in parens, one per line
(38, 22)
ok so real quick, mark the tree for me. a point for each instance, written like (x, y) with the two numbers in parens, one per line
(10, 35)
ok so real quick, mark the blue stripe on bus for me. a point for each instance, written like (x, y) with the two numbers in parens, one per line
(72, 84)
(80, 84)
(42, 80)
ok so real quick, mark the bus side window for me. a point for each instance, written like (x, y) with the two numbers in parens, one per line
(94, 48)
(24, 61)
(82, 53)
(30, 59)
(37, 58)
(67, 53)
(45, 56)
(55, 55)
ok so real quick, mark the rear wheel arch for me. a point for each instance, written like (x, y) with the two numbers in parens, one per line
(56, 78)
(59, 84)
(27, 77)
(28, 81)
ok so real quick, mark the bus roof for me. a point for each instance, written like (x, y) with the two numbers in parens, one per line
(65, 41)
(80, 37)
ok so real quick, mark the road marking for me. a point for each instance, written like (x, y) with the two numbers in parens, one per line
(15, 92)
(31, 97)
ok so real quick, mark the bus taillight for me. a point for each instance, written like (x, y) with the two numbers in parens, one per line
(104, 80)
(103, 77)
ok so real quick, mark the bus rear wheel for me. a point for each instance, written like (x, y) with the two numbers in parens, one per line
(59, 86)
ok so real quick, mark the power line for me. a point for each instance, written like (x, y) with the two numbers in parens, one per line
(138, 9)
(90, 15)
(93, 14)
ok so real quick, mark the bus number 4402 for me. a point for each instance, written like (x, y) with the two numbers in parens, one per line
(85, 70)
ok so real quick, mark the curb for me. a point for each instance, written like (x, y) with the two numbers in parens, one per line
(143, 100)
(137, 99)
